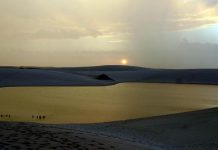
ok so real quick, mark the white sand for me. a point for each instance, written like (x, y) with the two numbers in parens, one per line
(186, 131)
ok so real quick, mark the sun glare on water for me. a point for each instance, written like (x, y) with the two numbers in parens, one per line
(124, 61)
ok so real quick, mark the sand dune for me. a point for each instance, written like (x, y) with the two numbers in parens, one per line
(41, 77)
(185, 131)
(86, 76)
(196, 130)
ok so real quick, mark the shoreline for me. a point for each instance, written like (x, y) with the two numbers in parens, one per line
(196, 130)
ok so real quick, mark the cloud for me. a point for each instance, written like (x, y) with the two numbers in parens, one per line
(197, 13)
(64, 34)
(81, 18)
(211, 2)
(148, 31)
(170, 15)
(59, 19)
(196, 55)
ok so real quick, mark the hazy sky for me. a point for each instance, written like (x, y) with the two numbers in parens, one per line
(149, 33)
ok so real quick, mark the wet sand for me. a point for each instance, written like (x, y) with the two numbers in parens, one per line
(185, 131)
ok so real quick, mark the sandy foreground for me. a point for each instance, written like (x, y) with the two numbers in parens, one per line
(185, 131)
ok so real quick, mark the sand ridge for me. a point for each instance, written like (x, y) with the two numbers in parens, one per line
(89, 76)
(38, 136)
(196, 130)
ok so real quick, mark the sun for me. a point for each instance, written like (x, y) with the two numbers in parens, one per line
(124, 61)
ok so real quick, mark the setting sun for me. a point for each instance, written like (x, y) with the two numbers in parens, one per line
(124, 61)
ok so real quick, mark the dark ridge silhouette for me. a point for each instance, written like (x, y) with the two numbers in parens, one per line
(90, 68)
(104, 77)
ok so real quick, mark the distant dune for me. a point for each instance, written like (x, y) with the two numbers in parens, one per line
(89, 76)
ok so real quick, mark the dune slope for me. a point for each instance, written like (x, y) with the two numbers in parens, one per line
(86, 76)
(185, 131)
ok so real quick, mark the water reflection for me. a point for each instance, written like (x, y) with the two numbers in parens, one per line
(100, 104)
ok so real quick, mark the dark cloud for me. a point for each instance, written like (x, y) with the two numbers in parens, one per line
(196, 55)
(211, 2)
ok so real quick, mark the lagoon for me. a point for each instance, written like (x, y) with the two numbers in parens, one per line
(92, 104)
